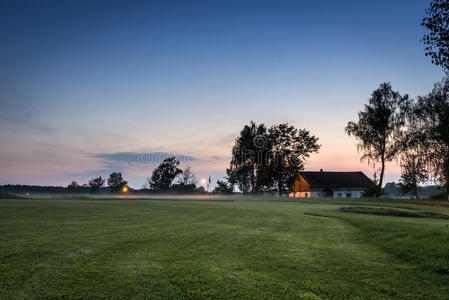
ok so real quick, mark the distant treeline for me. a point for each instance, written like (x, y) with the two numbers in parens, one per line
(37, 189)
(20, 189)
(393, 190)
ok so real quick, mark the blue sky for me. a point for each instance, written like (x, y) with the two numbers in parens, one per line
(84, 81)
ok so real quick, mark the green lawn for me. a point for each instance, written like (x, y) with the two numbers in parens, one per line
(247, 248)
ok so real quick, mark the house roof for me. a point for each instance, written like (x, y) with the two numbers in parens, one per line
(336, 179)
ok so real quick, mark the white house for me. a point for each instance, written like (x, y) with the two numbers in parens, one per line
(330, 184)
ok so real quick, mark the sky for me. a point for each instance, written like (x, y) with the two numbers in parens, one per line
(91, 87)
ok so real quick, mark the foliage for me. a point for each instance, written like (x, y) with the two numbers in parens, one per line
(162, 178)
(73, 186)
(95, 184)
(187, 177)
(413, 173)
(270, 159)
(379, 129)
(201, 190)
(223, 187)
(436, 41)
(429, 130)
(116, 182)
(247, 154)
(290, 147)
(179, 188)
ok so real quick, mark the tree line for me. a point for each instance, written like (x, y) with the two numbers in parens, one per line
(166, 178)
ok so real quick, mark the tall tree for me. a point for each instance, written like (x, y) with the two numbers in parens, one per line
(95, 184)
(269, 159)
(116, 182)
(290, 147)
(379, 130)
(413, 173)
(436, 41)
(164, 174)
(430, 127)
(245, 155)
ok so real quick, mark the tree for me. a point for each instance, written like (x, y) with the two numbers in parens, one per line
(95, 184)
(289, 148)
(163, 176)
(187, 177)
(436, 41)
(379, 130)
(245, 155)
(116, 183)
(201, 190)
(413, 174)
(269, 159)
(223, 187)
(186, 183)
(73, 186)
(373, 189)
(429, 121)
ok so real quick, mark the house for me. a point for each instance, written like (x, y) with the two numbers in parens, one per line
(330, 184)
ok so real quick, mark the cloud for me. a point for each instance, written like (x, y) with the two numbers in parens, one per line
(142, 158)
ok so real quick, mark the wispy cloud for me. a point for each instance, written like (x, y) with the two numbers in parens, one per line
(142, 158)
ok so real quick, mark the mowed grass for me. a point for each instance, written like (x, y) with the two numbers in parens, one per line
(247, 248)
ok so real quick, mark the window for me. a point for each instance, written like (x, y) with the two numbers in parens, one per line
(339, 195)
(348, 195)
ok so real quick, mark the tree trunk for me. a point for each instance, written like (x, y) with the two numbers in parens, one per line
(381, 178)
(447, 191)
(416, 193)
(280, 187)
(447, 186)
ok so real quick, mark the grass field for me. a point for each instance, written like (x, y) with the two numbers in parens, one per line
(244, 248)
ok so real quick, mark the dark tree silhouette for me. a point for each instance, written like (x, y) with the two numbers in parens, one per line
(245, 155)
(186, 183)
(430, 130)
(290, 147)
(436, 41)
(163, 176)
(379, 130)
(116, 182)
(269, 159)
(187, 177)
(413, 173)
(223, 187)
(73, 186)
(95, 184)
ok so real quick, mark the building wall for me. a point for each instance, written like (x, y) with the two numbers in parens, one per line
(309, 194)
(348, 193)
(301, 189)
(301, 185)
(315, 193)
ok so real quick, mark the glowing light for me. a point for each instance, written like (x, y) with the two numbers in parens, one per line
(125, 189)
(203, 181)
